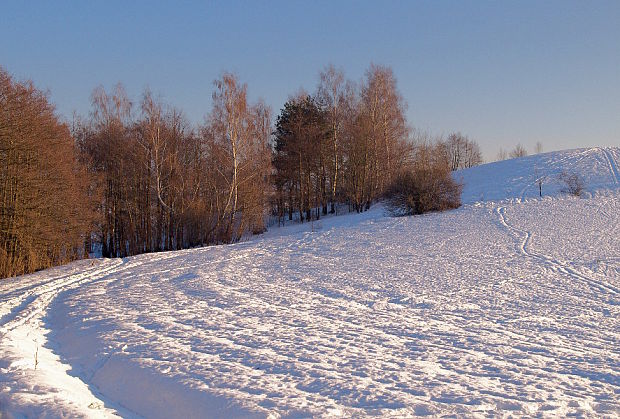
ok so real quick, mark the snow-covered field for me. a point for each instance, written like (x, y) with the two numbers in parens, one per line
(507, 305)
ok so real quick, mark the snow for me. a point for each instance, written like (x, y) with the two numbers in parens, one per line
(517, 178)
(509, 305)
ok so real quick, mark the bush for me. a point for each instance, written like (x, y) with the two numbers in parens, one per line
(423, 190)
(573, 183)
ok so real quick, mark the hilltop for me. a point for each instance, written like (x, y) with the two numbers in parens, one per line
(518, 178)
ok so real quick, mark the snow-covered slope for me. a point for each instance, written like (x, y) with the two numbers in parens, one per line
(518, 178)
(507, 306)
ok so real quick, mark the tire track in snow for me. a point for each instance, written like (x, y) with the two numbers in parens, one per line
(526, 236)
(22, 330)
(613, 167)
(23, 334)
(25, 307)
(34, 301)
(575, 158)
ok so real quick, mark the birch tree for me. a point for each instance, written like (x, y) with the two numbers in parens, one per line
(384, 110)
(235, 136)
(332, 94)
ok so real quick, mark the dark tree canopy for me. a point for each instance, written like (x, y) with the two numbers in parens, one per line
(300, 158)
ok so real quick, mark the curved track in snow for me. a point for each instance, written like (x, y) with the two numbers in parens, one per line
(33, 378)
(556, 265)
(26, 304)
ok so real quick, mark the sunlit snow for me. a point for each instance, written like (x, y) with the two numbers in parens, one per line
(507, 305)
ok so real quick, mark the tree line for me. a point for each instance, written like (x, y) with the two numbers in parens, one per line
(166, 186)
(518, 151)
(138, 177)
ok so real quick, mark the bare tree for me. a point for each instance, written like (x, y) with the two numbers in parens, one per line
(236, 135)
(518, 151)
(332, 93)
(573, 183)
(154, 141)
(502, 154)
(427, 185)
(538, 148)
(383, 109)
(107, 145)
(40, 174)
(462, 152)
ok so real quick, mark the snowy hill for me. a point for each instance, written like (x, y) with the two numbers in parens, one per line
(517, 178)
(508, 306)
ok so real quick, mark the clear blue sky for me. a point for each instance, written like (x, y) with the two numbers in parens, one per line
(501, 72)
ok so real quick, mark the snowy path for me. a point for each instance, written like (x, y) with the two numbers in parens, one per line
(23, 305)
(32, 378)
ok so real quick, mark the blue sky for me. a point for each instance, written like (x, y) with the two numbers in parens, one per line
(502, 72)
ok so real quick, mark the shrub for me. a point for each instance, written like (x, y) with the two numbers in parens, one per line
(573, 183)
(423, 190)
